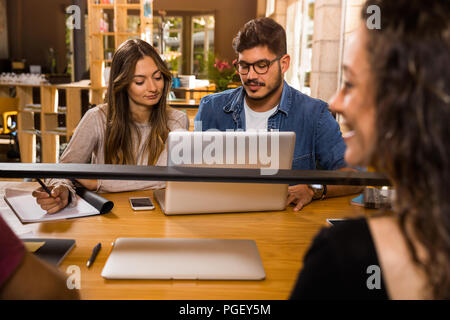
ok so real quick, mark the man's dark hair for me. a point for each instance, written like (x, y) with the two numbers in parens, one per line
(261, 32)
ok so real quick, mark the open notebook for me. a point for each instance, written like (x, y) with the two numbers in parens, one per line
(24, 205)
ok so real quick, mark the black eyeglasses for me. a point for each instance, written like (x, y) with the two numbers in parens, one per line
(260, 66)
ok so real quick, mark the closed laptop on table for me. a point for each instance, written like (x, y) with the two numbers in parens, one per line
(199, 259)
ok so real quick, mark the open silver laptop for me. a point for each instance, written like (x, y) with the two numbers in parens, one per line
(268, 151)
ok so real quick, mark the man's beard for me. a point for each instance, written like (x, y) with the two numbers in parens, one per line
(268, 94)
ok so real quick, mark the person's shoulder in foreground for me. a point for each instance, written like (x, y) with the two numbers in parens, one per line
(341, 263)
(23, 276)
(11, 252)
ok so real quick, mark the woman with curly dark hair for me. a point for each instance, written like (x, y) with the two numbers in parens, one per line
(396, 103)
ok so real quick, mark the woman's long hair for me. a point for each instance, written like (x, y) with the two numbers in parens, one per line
(119, 145)
(410, 60)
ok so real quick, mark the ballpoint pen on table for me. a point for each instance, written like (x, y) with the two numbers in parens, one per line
(94, 254)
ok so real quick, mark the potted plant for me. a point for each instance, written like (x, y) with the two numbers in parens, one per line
(221, 73)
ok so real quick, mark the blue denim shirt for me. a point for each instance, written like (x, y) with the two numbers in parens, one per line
(318, 143)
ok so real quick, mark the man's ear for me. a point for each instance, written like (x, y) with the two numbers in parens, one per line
(285, 61)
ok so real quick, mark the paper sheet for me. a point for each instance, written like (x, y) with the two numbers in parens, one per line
(26, 207)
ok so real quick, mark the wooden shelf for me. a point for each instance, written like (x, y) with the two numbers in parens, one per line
(118, 18)
(58, 131)
(31, 108)
(103, 6)
(30, 131)
(59, 111)
(49, 115)
(62, 110)
(133, 6)
(98, 34)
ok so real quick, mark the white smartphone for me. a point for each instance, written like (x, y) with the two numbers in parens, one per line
(141, 203)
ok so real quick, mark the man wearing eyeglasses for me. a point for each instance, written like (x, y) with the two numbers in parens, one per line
(266, 102)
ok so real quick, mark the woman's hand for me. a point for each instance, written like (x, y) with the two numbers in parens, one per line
(90, 184)
(58, 200)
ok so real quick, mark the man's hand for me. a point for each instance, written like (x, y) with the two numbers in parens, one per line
(300, 195)
(58, 200)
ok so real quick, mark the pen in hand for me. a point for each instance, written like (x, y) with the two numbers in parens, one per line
(46, 189)
(94, 254)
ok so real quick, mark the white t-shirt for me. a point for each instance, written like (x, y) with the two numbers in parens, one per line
(257, 120)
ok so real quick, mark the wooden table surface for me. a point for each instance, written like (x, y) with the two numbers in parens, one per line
(282, 238)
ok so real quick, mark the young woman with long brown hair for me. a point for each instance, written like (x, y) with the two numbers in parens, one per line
(131, 128)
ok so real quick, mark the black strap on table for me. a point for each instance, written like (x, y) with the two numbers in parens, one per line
(159, 173)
